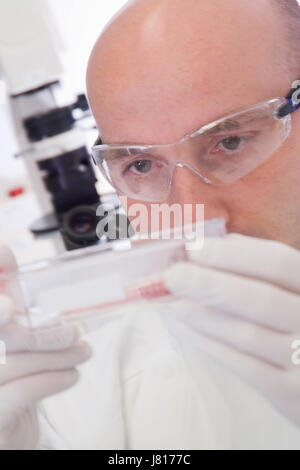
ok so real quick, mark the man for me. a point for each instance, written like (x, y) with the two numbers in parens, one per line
(215, 368)
(160, 72)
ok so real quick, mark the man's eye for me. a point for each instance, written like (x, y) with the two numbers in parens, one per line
(230, 144)
(141, 167)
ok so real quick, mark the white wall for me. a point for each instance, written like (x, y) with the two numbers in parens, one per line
(80, 22)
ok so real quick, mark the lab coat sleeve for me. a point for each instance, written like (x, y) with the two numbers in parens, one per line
(162, 406)
(50, 439)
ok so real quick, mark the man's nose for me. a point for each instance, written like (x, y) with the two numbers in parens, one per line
(189, 188)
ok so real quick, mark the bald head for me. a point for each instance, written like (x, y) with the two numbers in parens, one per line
(164, 68)
(200, 47)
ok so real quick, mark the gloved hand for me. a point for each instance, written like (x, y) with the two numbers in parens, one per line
(39, 364)
(249, 290)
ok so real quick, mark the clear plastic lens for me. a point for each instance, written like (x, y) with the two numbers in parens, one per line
(221, 153)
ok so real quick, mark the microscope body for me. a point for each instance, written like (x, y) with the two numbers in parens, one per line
(52, 145)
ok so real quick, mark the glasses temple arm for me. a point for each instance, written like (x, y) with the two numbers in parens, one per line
(98, 142)
(293, 102)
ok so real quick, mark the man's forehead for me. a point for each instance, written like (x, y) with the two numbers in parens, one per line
(208, 61)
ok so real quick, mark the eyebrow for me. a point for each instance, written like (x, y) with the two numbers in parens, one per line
(223, 126)
(231, 124)
(227, 125)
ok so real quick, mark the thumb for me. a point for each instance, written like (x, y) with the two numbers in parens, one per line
(8, 261)
(7, 310)
(9, 282)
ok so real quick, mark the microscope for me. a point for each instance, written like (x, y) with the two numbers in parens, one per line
(51, 143)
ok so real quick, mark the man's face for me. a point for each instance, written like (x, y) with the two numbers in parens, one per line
(153, 83)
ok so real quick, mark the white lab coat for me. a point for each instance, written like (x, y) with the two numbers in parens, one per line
(149, 387)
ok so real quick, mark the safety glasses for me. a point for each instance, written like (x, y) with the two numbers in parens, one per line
(220, 153)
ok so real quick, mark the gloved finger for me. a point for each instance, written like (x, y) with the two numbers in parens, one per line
(20, 339)
(264, 260)
(16, 397)
(251, 300)
(268, 345)
(280, 387)
(22, 432)
(7, 310)
(24, 365)
(8, 261)
(9, 282)
(251, 370)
